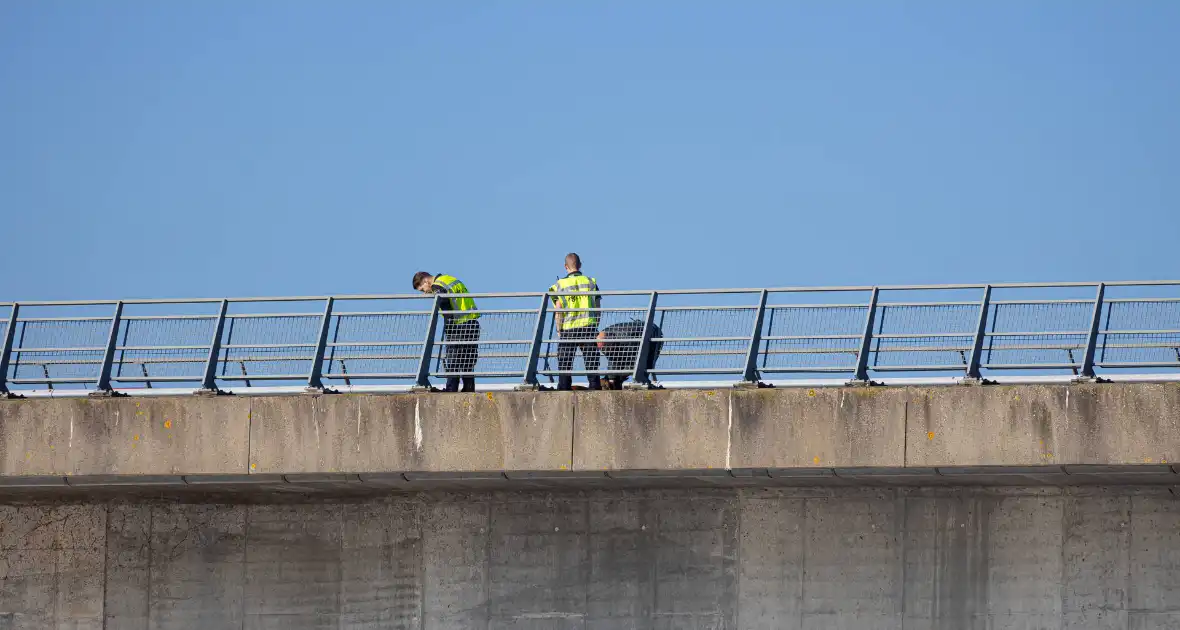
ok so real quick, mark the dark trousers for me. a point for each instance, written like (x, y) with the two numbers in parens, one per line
(584, 339)
(461, 357)
(619, 356)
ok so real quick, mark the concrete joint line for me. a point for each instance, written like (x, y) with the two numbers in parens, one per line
(729, 433)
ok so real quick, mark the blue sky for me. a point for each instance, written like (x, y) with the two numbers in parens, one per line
(170, 149)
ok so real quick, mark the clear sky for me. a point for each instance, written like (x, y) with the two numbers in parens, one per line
(272, 147)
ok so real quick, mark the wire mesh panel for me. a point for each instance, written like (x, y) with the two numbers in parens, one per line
(811, 338)
(491, 341)
(1037, 333)
(374, 344)
(268, 346)
(923, 337)
(57, 350)
(703, 340)
(162, 348)
(1140, 333)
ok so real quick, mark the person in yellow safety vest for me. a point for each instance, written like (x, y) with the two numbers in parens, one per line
(460, 324)
(578, 323)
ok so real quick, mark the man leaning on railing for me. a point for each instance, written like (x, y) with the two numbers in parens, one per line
(460, 324)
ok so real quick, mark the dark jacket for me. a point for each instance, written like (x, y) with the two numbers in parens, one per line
(622, 355)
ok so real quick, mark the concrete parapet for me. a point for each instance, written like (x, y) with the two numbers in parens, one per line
(421, 432)
(1031, 425)
(651, 430)
(767, 433)
(124, 436)
(801, 428)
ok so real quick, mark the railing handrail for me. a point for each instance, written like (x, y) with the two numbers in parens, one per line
(526, 294)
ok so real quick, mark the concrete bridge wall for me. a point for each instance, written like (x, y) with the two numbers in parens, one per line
(794, 430)
(1081, 558)
(762, 536)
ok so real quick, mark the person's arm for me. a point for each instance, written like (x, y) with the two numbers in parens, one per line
(557, 317)
(444, 303)
(596, 302)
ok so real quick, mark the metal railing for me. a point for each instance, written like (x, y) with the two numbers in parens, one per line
(854, 334)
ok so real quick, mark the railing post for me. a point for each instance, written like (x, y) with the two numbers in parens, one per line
(102, 387)
(980, 332)
(639, 377)
(209, 380)
(1092, 338)
(750, 375)
(530, 368)
(423, 380)
(315, 384)
(6, 349)
(770, 327)
(861, 377)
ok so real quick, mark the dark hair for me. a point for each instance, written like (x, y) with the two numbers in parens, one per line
(572, 257)
(419, 277)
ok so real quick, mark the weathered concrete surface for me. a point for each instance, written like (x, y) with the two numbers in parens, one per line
(633, 430)
(782, 559)
(52, 575)
(854, 426)
(1039, 425)
(910, 433)
(123, 436)
(442, 433)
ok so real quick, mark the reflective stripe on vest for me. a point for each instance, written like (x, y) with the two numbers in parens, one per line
(580, 314)
(455, 288)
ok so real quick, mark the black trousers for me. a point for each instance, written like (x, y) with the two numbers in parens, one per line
(619, 356)
(586, 340)
(461, 357)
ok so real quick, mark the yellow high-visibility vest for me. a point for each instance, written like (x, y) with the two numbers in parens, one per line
(455, 288)
(583, 307)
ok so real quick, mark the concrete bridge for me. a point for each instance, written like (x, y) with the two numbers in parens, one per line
(1023, 506)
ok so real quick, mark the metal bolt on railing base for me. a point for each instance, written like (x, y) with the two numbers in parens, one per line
(751, 385)
(641, 386)
(209, 392)
(1083, 380)
(856, 382)
(525, 387)
(419, 389)
(104, 393)
(971, 382)
(317, 391)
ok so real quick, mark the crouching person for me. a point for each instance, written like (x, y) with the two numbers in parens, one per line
(621, 355)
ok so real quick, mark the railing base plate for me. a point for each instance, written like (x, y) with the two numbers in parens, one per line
(317, 391)
(104, 393)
